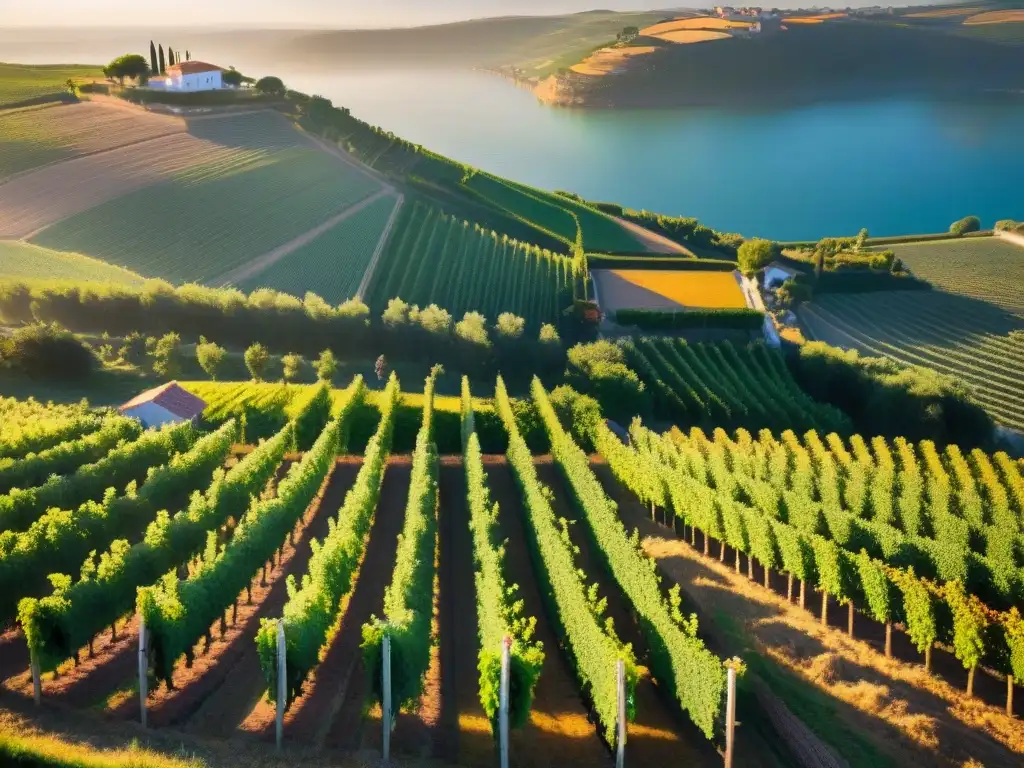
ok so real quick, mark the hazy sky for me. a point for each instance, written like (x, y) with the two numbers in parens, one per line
(301, 13)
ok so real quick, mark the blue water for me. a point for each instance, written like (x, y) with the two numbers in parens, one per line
(895, 167)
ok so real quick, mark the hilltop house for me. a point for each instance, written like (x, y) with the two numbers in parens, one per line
(189, 76)
(167, 404)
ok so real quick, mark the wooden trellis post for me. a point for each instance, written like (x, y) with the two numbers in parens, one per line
(620, 742)
(506, 646)
(386, 695)
(730, 717)
(143, 670)
(282, 682)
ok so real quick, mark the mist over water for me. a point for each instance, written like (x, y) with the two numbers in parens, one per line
(896, 166)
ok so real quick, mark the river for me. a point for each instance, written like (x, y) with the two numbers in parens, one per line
(896, 166)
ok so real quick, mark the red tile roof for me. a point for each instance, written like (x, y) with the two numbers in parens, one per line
(172, 397)
(192, 68)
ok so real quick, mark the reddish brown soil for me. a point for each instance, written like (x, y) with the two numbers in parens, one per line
(13, 653)
(659, 735)
(331, 708)
(241, 688)
(112, 666)
(194, 685)
(559, 730)
(462, 717)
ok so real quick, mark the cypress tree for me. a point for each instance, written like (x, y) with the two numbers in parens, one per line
(188, 55)
(162, 68)
(170, 56)
(153, 65)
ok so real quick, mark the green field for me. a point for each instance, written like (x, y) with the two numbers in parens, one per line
(979, 343)
(23, 260)
(187, 231)
(984, 268)
(332, 265)
(432, 258)
(554, 214)
(19, 82)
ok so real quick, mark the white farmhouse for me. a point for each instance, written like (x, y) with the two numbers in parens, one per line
(166, 404)
(188, 77)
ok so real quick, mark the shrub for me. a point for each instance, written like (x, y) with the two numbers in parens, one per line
(326, 366)
(211, 357)
(270, 85)
(1006, 225)
(756, 254)
(47, 351)
(256, 360)
(965, 225)
(599, 369)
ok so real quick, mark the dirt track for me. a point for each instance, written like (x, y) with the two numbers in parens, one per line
(559, 722)
(659, 735)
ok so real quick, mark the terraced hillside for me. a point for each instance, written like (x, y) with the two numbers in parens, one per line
(973, 340)
(433, 258)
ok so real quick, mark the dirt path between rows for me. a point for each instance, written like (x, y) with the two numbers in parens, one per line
(560, 729)
(267, 260)
(659, 735)
(335, 691)
(371, 268)
(235, 647)
(912, 718)
(240, 691)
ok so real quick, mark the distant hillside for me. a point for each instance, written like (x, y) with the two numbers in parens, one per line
(536, 44)
(806, 62)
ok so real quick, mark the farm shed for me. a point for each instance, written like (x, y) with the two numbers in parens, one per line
(776, 274)
(166, 404)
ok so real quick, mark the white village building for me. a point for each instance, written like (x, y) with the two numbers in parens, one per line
(189, 76)
(776, 273)
(167, 404)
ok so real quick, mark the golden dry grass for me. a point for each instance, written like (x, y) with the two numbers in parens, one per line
(996, 17)
(691, 36)
(701, 22)
(609, 60)
(705, 290)
(901, 700)
(813, 19)
(941, 13)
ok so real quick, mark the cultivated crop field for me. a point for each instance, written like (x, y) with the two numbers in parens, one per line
(980, 344)
(216, 216)
(610, 60)
(664, 289)
(20, 82)
(988, 269)
(35, 136)
(333, 264)
(345, 549)
(685, 36)
(57, 192)
(432, 258)
(700, 22)
(726, 385)
(23, 260)
(212, 625)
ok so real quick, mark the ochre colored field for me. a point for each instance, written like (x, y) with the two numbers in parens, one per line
(941, 13)
(610, 59)
(701, 22)
(996, 17)
(660, 289)
(813, 19)
(691, 36)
